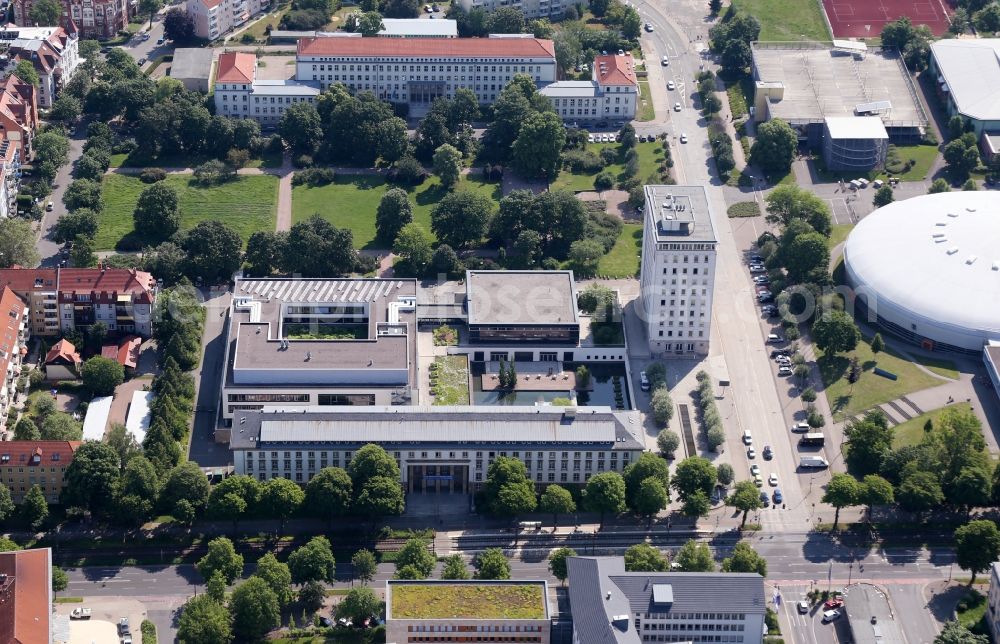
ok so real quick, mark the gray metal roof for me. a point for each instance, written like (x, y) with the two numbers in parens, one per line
(971, 71)
(521, 297)
(600, 589)
(286, 87)
(492, 425)
(870, 617)
(570, 89)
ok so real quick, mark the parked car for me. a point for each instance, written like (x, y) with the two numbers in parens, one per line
(747, 437)
(665, 61)
(141, 62)
(756, 259)
(677, 107)
(774, 338)
(830, 604)
(769, 310)
(783, 360)
(758, 481)
(761, 279)
(326, 621)
(670, 85)
(784, 370)
(643, 381)
(648, 27)
(758, 268)
(160, 41)
(765, 499)
(800, 427)
(777, 496)
(780, 352)
(803, 607)
(772, 480)
(755, 470)
(768, 453)
(751, 453)
(765, 297)
(49, 206)
(126, 639)
(684, 138)
(123, 628)
(80, 613)
(830, 615)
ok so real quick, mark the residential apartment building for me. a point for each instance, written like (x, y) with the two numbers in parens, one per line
(239, 94)
(612, 606)
(24, 464)
(612, 94)
(63, 299)
(530, 8)
(438, 449)
(214, 18)
(18, 114)
(10, 177)
(467, 611)
(26, 597)
(13, 339)
(327, 342)
(53, 51)
(415, 71)
(678, 270)
(101, 19)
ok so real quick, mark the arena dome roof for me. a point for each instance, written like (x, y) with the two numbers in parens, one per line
(933, 261)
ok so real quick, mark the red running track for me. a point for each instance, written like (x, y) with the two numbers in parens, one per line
(865, 18)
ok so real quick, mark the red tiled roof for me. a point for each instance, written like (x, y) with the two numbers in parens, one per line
(211, 4)
(12, 311)
(13, 453)
(615, 70)
(64, 351)
(23, 280)
(427, 47)
(125, 353)
(111, 280)
(27, 596)
(236, 67)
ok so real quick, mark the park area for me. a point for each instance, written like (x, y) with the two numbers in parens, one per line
(871, 389)
(623, 259)
(650, 159)
(912, 432)
(246, 203)
(351, 201)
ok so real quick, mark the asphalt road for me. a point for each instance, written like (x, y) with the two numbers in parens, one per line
(203, 448)
(48, 249)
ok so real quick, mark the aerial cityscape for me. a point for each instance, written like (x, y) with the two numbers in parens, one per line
(597, 322)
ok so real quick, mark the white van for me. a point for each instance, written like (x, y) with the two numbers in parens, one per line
(747, 437)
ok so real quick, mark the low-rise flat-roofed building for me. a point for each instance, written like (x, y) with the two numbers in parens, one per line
(467, 611)
(804, 84)
(854, 143)
(967, 71)
(612, 606)
(870, 617)
(192, 66)
(527, 307)
(438, 449)
(326, 342)
(678, 270)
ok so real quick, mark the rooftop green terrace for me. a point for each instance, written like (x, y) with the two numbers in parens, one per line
(468, 601)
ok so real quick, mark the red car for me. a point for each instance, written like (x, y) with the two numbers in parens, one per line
(830, 604)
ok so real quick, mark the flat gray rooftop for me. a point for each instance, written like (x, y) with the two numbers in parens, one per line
(680, 213)
(191, 62)
(442, 425)
(521, 297)
(820, 82)
(256, 335)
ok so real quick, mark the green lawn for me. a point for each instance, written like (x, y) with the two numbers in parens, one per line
(787, 20)
(623, 260)
(923, 157)
(912, 431)
(351, 201)
(871, 390)
(650, 159)
(645, 112)
(248, 204)
(940, 366)
(838, 234)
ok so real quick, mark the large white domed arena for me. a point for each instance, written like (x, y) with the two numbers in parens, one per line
(929, 269)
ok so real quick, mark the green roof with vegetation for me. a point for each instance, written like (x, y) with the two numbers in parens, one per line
(468, 601)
